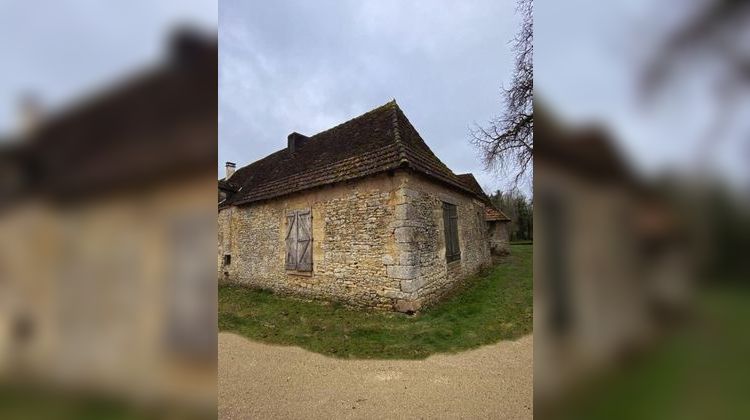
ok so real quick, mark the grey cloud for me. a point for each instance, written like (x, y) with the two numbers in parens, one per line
(306, 66)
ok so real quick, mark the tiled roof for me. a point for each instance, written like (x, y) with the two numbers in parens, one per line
(228, 185)
(377, 141)
(472, 184)
(159, 124)
(587, 150)
(492, 213)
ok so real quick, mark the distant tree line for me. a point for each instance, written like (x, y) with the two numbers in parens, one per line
(520, 209)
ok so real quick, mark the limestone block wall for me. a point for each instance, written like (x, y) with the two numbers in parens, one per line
(351, 233)
(499, 236)
(420, 261)
(377, 242)
(224, 232)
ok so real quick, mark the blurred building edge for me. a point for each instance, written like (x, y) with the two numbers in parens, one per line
(609, 260)
(108, 225)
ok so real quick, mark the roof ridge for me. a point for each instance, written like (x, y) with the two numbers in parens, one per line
(426, 154)
(397, 134)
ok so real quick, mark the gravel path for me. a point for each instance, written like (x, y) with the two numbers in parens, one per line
(261, 381)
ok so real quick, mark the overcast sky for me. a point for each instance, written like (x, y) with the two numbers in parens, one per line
(63, 50)
(306, 66)
(589, 58)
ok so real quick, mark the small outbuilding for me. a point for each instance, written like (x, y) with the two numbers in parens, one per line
(498, 230)
(498, 224)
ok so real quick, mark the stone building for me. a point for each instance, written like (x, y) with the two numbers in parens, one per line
(498, 228)
(363, 213)
(498, 224)
(106, 214)
(610, 261)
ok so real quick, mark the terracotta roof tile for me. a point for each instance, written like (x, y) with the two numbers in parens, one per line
(492, 214)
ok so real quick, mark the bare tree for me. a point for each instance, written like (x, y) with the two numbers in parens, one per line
(506, 144)
(715, 34)
(714, 31)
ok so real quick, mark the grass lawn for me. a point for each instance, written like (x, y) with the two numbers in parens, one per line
(699, 372)
(24, 404)
(495, 305)
(27, 402)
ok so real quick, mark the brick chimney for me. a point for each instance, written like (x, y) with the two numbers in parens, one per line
(189, 45)
(230, 169)
(294, 141)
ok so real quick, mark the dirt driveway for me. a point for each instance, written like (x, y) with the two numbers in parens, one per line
(260, 381)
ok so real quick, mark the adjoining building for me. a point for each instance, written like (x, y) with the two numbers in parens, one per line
(498, 224)
(611, 262)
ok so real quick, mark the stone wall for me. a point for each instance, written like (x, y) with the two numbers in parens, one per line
(377, 242)
(351, 232)
(95, 280)
(420, 241)
(499, 236)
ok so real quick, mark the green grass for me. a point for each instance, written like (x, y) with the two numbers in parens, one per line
(22, 400)
(25, 401)
(495, 305)
(53, 406)
(700, 371)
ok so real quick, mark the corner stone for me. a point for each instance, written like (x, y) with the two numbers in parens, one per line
(412, 285)
(409, 258)
(403, 272)
(404, 234)
(404, 212)
(408, 306)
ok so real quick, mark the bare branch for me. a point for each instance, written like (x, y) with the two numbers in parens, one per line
(507, 143)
